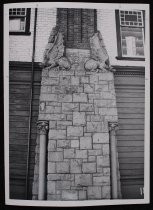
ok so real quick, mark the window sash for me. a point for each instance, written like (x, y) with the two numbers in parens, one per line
(120, 28)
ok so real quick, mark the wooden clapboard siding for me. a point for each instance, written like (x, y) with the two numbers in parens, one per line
(19, 109)
(130, 136)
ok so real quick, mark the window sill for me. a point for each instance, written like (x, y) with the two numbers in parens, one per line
(20, 33)
(130, 58)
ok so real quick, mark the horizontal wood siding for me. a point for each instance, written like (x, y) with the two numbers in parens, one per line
(19, 106)
(130, 94)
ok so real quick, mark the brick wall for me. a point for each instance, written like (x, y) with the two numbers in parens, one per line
(77, 26)
(78, 106)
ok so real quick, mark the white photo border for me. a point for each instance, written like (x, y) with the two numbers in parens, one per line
(146, 199)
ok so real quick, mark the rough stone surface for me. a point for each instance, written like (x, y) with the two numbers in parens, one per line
(57, 134)
(89, 167)
(51, 187)
(69, 195)
(100, 138)
(55, 156)
(74, 131)
(78, 105)
(76, 165)
(51, 167)
(103, 160)
(83, 179)
(94, 192)
(62, 167)
(79, 118)
(85, 143)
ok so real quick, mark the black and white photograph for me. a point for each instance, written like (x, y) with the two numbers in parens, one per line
(76, 106)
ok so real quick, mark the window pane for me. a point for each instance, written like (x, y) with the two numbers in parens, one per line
(132, 41)
(17, 24)
(132, 18)
(17, 12)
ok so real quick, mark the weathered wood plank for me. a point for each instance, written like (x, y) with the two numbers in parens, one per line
(129, 80)
(137, 172)
(131, 132)
(130, 104)
(128, 166)
(131, 116)
(131, 127)
(129, 137)
(131, 110)
(130, 154)
(131, 121)
(128, 99)
(125, 143)
(130, 149)
(131, 94)
(131, 160)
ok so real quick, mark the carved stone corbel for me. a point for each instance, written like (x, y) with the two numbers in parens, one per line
(113, 126)
(54, 55)
(99, 59)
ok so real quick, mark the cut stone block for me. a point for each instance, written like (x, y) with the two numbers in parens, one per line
(63, 185)
(57, 134)
(69, 107)
(69, 153)
(82, 195)
(81, 154)
(94, 192)
(51, 167)
(101, 180)
(74, 80)
(106, 150)
(79, 118)
(100, 138)
(52, 145)
(63, 143)
(94, 126)
(79, 97)
(83, 179)
(51, 187)
(62, 167)
(74, 131)
(106, 192)
(89, 167)
(74, 143)
(85, 143)
(76, 165)
(69, 195)
(89, 88)
(103, 161)
(86, 107)
(55, 156)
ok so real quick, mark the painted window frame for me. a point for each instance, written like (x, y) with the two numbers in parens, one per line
(119, 46)
(27, 25)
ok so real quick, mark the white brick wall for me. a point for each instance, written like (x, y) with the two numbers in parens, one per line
(21, 46)
(45, 22)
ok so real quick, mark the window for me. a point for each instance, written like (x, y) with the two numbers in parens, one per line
(19, 21)
(130, 34)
